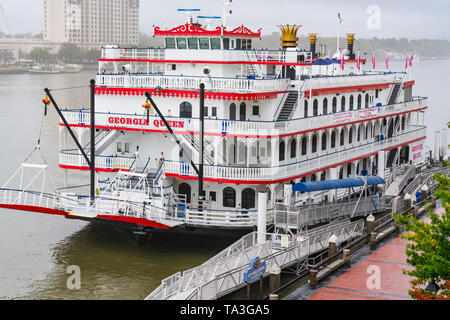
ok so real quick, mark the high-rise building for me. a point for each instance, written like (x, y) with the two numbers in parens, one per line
(91, 22)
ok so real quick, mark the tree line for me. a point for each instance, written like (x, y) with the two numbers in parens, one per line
(70, 53)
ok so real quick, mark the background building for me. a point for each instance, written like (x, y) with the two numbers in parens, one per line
(91, 22)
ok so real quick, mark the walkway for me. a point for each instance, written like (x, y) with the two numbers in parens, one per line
(358, 283)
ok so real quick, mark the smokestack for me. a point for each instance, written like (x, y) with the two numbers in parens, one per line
(350, 42)
(289, 37)
(313, 41)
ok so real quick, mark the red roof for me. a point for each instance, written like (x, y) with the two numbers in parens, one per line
(192, 30)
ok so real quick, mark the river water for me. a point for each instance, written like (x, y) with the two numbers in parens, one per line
(36, 249)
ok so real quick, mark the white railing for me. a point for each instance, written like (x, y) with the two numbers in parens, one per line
(261, 128)
(101, 162)
(293, 169)
(221, 218)
(191, 83)
(281, 56)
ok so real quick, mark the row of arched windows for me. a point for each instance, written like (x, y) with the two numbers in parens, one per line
(248, 196)
(351, 105)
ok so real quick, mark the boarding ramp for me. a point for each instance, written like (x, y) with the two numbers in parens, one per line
(224, 273)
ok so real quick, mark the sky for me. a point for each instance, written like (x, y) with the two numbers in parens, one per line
(413, 19)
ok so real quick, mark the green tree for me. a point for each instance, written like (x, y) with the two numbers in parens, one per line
(429, 249)
(6, 56)
(40, 55)
(71, 52)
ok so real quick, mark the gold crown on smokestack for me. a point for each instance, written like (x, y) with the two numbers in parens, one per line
(289, 35)
(312, 37)
(350, 38)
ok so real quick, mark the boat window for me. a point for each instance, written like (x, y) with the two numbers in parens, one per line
(238, 44)
(304, 146)
(185, 189)
(248, 198)
(255, 110)
(127, 147)
(242, 111)
(333, 139)
(119, 146)
(324, 141)
(229, 197)
(249, 44)
(244, 44)
(232, 111)
(315, 107)
(204, 43)
(293, 148)
(281, 151)
(314, 144)
(185, 110)
(215, 43)
(325, 106)
(214, 111)
(181, 43)
(334, 105)
(170, 43)
(226, 43)
(193, 43)
(212, 196)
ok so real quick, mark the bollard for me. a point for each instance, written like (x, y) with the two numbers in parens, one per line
(373, 241)
(273, 297)
(407, 202)
(433, 201)
(424, 191)
(275, 278)
(416, 212)
(332, 246)
(370, 222)
(313, 278)
(346, 256)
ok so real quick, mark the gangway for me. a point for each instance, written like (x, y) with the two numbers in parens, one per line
(224, 273)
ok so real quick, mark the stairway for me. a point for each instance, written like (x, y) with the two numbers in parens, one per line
(394, 93)
(288, 106)
(103, 140)
(193, 142)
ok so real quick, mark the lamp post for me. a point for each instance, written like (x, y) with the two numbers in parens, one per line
(432, 286)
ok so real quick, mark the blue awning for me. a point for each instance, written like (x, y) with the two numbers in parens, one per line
(325, 62)
(336, 184)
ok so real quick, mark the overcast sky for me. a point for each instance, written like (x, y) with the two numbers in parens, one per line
(413, 19)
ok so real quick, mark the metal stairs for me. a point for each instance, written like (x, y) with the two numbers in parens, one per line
(103, 140)
(193, 142)
(394, 93)
(288, 106)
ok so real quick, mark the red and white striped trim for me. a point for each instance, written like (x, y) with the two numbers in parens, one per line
(189, 94)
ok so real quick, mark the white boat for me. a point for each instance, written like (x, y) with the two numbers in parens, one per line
(272, 118)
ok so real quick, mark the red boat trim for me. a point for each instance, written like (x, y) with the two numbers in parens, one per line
(34, 209)
(246, 136)
(138, 221)
(188, 93)
(192, 30)
(63, 166)
(210, 62)
(408, 83)
(132, 220)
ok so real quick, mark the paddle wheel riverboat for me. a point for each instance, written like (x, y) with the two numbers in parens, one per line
(266, 119)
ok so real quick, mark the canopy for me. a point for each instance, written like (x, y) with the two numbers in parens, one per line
(325, 62)
(336, 184)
